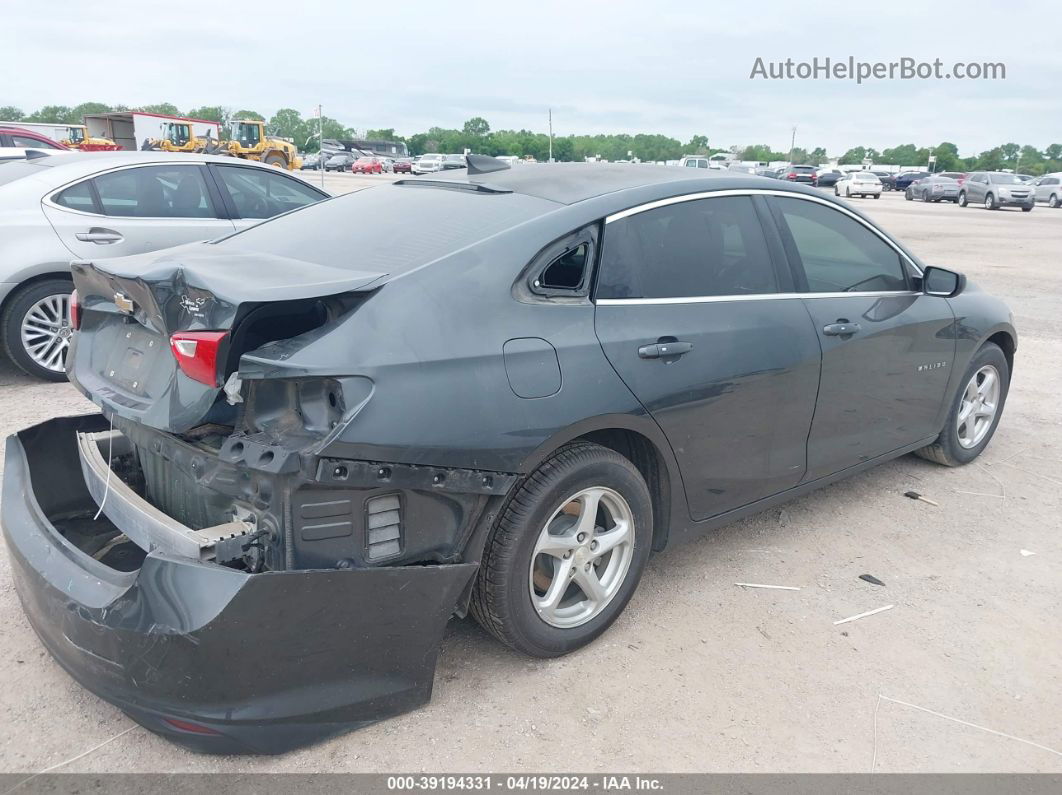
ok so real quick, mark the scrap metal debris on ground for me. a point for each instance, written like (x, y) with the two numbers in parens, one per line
(914, 495)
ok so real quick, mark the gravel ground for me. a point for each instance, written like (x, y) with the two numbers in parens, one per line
(700, 675)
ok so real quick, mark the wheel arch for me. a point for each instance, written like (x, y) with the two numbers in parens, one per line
(1007, 342)
(641, 441)
(29, 282)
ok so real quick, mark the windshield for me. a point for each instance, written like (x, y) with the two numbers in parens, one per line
(1004, 179)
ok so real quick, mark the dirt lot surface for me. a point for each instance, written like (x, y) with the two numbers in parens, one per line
(701, 675)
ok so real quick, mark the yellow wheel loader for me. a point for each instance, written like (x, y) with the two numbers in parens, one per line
(77, 137)
(248, 139)
(177, 137)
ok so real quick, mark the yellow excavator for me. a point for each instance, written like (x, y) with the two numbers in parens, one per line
(247, 140)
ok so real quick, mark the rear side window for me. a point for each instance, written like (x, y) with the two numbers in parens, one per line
(77, 197)
(707, 247)
(32, 143)
(566, 271)
(263, 193)
(838, 254)
(155, 192)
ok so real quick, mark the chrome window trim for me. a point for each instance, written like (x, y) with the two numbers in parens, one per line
(48, 198)
(641, 208)
(720, 299)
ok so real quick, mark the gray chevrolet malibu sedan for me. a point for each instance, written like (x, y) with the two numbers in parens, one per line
(494, 391)
(112, 204)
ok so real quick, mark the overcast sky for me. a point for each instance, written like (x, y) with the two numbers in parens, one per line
(603, 66)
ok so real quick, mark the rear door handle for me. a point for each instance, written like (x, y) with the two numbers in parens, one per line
(840, 329)
(99, 235)
(660, 349)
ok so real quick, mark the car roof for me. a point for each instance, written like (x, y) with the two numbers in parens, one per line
(58, 167)
(569, 183)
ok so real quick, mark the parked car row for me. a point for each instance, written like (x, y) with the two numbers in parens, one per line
(357, 163)
(990, 189)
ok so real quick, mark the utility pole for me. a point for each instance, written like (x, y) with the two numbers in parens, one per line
(320, 143)
(551, 135)
(792, 145)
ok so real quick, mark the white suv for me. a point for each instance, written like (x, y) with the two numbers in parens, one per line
(428, 164)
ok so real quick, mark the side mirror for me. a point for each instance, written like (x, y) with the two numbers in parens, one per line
(942, 283)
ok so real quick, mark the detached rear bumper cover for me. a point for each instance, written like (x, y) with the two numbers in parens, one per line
(269, 661)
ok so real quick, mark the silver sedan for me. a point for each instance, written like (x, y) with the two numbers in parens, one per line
(57, 208)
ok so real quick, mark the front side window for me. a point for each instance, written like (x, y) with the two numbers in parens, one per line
(838, 254)
(155, 192)
(263, 193)
(707, 247)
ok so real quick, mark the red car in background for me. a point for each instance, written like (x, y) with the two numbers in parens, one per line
(14, 141)
(367, 165)
(403, 166)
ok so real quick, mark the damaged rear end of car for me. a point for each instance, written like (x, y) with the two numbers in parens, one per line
(202, 552)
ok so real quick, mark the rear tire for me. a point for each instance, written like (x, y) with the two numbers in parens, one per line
(1053, 202)
(514, 569)
(44, 299)
(948, 450)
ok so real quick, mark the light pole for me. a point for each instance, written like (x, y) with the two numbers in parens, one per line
(792, 145)
(550, 135)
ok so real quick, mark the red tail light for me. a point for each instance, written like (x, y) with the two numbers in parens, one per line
(188, 726)
(196, 353)
(75, 311)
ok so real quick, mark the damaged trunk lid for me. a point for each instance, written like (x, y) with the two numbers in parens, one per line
(160, 333)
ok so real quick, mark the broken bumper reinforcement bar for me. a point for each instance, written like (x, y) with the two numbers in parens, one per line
(216, 659)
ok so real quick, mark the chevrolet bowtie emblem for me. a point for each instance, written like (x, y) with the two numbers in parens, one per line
(124, 304)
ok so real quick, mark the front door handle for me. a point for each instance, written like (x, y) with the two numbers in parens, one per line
(99, 235)
(659, 350)
(842, 328)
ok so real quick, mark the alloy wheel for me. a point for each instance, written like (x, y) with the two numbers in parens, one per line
(977, 409)
(46, 331)
(582, 557)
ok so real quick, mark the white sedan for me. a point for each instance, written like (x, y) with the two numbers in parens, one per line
(858, 183)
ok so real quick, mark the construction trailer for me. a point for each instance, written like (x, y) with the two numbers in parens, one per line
(130, 129)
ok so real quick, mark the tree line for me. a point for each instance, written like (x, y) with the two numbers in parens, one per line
(477, 136)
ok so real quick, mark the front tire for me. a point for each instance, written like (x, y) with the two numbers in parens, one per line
(975, 411)
(37, 330)
(990, 202)
(961, 201)
(567, 552)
